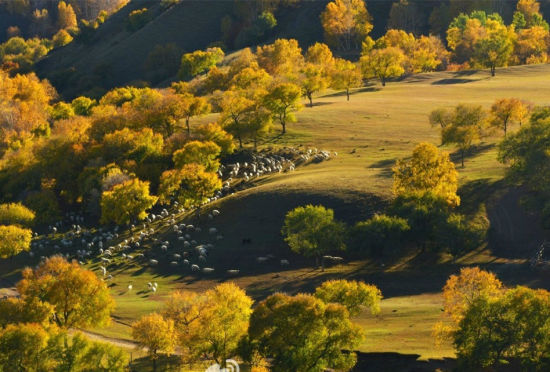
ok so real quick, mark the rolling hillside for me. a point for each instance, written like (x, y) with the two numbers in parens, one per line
(372, 130)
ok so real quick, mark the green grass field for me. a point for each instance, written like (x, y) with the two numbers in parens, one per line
(372, 130)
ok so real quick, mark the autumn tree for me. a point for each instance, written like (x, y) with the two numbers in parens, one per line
(23, 347)
(136, 145)
(29, 310)
(190, 185)
(320, 54)
(210, 324)
(509, 329)
(302, 333)
(199, 61)
(506, 111)
(531, 46)
(16, 214)
(495, 47)
(383, 64)
(462, 125)
(345, 76)
(283, 57)
(235, 107)
(66, 17)
(126, 201)
(380, 235)
(193, 106)
(203, 153)
(156, 334)
(353, 295)
(79, 298)
(528, 15)
(428, 170)
(312, 231)
(14, 240)
(313, 80)
(214, 132)
(283, 100)
(461, 291)
(346, 23)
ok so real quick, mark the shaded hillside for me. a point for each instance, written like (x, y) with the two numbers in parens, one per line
(116, 56)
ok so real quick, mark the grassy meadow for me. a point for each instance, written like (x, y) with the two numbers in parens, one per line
(372, 130)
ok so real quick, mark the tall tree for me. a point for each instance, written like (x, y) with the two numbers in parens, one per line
(428, 170)
(462, 125)
(505, 111)
(66, 17)
(203, 153)
(346, 23)
(126, 201)
(346, 75)
(156, 334)
(79, 298)
(313, 80)
(190, 185)
(283, 100)
(495, 48)
(353, 295)
(14, 240)
(383, 64)
(303, 334)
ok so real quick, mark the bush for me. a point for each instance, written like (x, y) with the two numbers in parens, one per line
(381, 235)
(138, 18)
(45, 204)
(193, 64)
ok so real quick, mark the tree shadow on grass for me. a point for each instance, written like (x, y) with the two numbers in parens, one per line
(375, 362)
(368, 88)
(385, 167)
(472, 152)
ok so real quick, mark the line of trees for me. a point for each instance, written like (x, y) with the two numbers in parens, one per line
(305, 332)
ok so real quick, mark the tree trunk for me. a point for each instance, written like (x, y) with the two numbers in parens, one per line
(505, 127)
(154, 364)
(309, 96)
(347, 93)
(284, 126)
(493, 70)
(240, 141)
(462, 157)
(383, 80)
(188, 128)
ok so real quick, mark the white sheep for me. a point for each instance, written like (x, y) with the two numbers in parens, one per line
(233, 272)
(153, 262)
(285, 263)
(261, 259)
(174, 263)
(207, 270)
(212, 231)
(195, 267)
(130, 287)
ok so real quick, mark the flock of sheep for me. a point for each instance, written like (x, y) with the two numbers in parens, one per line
(109, 249)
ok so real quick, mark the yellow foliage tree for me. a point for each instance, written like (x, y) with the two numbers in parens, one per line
(78, 297)
(14, 240)
(190, 185)
(126, 201)
(203, 153)
(210, 324)
(156, 334)
(313, 80)
(383, 64)
(66, 17)
(353, 295)
(215, 133)
(283, 57)
(16, 214)
(429, 170)
(346, 23)
(346, 75)
(462, 290)
(507, 110)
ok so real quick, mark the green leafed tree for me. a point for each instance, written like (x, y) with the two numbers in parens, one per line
(312, 231)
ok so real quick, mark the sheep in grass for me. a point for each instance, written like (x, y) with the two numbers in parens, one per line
(208, 270)
(153, 262)
(233, 272)
(285, 263)
(212, 231)
(174, 263)
(195, 267)
(261, 259)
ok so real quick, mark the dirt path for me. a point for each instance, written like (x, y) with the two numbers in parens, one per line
(111, 340)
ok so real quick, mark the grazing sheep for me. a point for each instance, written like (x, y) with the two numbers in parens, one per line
(130, 287)
(285, 263)
(208, 270)
(262, 259)
(212, 231)
(186, 262)
(202, 258)
(153, 262)
(195, 267)
(154, 289)
(233, 272)
(174, 263)
(215, 212)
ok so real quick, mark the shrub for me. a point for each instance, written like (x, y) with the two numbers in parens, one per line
(381, 235)
(16, 214)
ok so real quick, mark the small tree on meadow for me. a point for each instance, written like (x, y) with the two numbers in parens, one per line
(383, 64)
(283, 100)
(156, 334)
(507, 111)
(353, 295)
(312, 231)
(345, 76)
